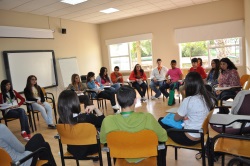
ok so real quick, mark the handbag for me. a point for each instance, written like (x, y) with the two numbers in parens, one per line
(169, 121)
(171, 99)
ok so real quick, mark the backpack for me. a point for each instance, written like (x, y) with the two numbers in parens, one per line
(171, 99)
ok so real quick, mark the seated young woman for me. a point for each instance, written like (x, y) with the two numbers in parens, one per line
(193, 110)
(79, 88)
(213, 75)
(138, 78)
(69, 111)
(33, 92)
(103, 79)
(229, 77)
(100, 91)
(10, 96)
(17, 150)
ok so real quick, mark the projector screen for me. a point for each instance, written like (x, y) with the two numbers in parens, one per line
(20, 64)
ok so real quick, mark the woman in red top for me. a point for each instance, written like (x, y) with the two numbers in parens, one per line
(137, 77)
(8, 96)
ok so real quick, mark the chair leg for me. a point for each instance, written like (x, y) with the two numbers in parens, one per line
(222, 159)
(175, 153)
(37, 116)
(203, 157)
(77, 162)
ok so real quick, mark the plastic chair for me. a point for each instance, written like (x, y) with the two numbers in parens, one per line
(237, 145)
(5, 159)
(49, 97)
(122, 145)
(199, 147)
(79, 134)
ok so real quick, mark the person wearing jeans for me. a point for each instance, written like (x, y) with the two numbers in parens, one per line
(10, 97)
(17, 150)
(157, 78)
(33, 92)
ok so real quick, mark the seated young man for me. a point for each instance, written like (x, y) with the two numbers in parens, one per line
(131, 121)
(175, 75)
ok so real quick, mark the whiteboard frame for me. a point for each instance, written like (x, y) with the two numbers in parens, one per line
(8, 67)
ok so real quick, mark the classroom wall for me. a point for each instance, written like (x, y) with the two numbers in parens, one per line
(81, 40)
(163, 24)
(247, 33)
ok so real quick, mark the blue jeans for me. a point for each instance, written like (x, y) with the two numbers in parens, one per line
(21, 114)
(153, 85)
(45, 110)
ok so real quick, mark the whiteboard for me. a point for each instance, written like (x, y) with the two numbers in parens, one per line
(68, 67)
(21, 64)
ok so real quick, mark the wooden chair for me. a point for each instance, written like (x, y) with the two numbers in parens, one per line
(79, 134)
(122, 145)
(31, 114)
(237, 145)
(243, 79)
(199, 147)
(101, 102)
(5, 159)
(49, 97)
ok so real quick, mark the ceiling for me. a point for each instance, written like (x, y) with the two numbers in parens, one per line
(89, 11)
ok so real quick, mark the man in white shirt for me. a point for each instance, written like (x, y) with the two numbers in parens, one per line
(157, 77)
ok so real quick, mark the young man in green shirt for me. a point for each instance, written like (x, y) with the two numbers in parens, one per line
(129, 120)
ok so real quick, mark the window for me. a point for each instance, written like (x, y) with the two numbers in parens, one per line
(211, 49)
(127, 55)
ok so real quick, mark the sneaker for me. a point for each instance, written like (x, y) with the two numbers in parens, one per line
(143, 98)
(153, 98)
(116, 107)
(29, 136)
(25, 136)
(51, 126)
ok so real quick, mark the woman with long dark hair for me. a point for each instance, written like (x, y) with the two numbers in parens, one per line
(69, 111)
(138, 78)
(8, 96)
(104, 79)
(193, 110)
(100, 91)
(33, 92)
(212, 78)
(79, 88)
(229, 77)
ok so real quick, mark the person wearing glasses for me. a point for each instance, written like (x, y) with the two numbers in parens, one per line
(33, 92)
(157, 78)
(116, 76)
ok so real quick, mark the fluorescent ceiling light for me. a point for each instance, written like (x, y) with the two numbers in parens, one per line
(109, 10)
(73, 2)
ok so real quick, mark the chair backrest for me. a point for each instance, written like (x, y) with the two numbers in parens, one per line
(84, 78)
(140, 144)
(205, 122)
(246, 85)
(78, 134)
(244, 108)
(5, 158)
(43, 90)
(244, 78)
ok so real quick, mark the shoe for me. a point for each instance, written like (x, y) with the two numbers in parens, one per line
(116, 107)
(143, 98)
(25, 136)
(153, 98)
(29, 136)
(51, 126)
